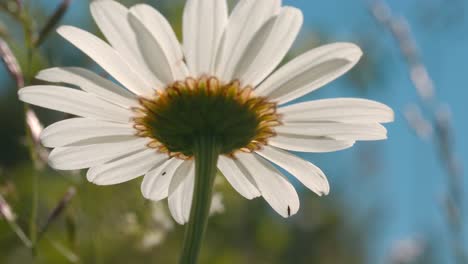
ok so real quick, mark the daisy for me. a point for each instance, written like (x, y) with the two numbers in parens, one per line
(216, 98)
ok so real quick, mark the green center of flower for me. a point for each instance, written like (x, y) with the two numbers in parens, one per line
(187, 110)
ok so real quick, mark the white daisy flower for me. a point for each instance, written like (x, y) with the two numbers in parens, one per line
(220, 82)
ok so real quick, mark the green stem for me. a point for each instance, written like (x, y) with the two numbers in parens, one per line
(52, 22)
(20, 233)
(206, 152)
(28, 31)
(34, 211)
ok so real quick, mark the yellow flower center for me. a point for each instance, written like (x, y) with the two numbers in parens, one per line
(186, 110)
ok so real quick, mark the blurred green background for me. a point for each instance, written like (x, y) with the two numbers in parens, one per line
(395, 201)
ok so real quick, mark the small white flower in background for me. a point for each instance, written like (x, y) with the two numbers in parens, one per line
(152, 239)
(161, 217)
(160, 226)
(220, 81)
(162, 223)
(217, 206)
(130, 223)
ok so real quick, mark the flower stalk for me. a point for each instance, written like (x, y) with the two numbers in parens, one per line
(206, 152)
(52, 22)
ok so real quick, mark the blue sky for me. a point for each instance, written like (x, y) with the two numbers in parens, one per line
(410, 184)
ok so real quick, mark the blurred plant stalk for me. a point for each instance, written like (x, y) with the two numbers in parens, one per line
(437, 125)
(52, 22)
(57, 211)
(11, 63)
(7, 214)
(33, 38)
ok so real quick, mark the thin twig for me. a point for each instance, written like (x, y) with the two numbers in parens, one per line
(11, 63)
(33, 126)
(67, 253)
(19, 4)
(15, 70)
(57, 211)
(8, 215)
(52, 22)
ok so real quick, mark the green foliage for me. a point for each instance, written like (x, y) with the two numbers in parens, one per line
(108, 225)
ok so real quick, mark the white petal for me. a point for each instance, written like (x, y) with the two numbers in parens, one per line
(163, 33)
(246, 19)
(77, 129)
(74, 102)
(307, 173)
(269, 46)
(309, 143)
(152, 51)
(111, 18)
(346, 110)
(126, 168)
(181, 192)
(275, 188)
(238, 177)
(338, 131)
(309, 72)
(86, 156)
(108, 59)
(155, 185)
(203, 26)
(90, 82)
